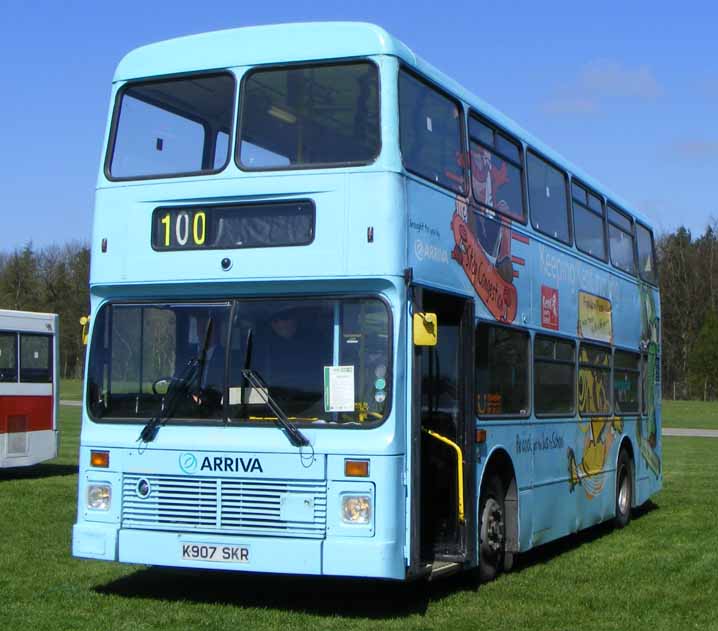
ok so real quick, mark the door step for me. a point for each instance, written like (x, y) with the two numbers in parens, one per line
(439, 569)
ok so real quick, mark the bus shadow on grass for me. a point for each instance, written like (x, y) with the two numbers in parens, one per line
(45, 470)
(351, 598)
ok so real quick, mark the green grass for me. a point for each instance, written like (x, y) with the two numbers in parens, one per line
(71, 389)
(694, 414)
(659, 573)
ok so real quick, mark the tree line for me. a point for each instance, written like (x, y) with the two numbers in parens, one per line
(688, 269)
(55, 279)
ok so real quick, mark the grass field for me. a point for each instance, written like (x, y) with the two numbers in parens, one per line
(695, 414)
(71, 389)
(659, 573)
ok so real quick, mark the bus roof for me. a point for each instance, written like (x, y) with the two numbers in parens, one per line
(310, 41)
(28, 321)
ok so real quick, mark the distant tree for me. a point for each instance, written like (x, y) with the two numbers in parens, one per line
(54, 280)
(703, 362)
(19, 280)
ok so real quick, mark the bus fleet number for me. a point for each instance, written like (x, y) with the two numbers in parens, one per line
(189, 228)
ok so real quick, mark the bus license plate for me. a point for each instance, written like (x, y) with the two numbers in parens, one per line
(214, 552)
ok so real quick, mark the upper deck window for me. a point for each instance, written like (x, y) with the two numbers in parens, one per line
(620, 238)
(496, 170)
(588, 222)
(172, 127)
(430, 130)
(646, 254)
(547, 198)
(310, 116)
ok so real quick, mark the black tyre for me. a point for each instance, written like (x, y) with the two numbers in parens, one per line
(492, 529)
(624, 489)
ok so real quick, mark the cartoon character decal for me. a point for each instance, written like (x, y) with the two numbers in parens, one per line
(600, 431)
(648, 426)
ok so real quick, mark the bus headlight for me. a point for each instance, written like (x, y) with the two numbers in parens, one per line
(356, 509)
(99, 496)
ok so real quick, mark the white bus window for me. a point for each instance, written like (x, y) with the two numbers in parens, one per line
(35, 358)
(8, 357)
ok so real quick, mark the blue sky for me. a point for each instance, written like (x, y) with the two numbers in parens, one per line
(626, 90)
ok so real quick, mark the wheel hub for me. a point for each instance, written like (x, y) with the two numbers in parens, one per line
(494, 521)
(624, 495)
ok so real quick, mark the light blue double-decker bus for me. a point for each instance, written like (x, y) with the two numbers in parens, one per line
(349, 320)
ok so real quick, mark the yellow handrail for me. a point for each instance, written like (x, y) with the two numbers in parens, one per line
(459, 468)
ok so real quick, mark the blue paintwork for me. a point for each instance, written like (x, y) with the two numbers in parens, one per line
(412, 228)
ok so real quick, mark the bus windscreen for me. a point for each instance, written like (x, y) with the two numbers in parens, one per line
(324, 361)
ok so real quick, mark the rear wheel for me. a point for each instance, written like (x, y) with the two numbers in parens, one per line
(492, 542)
(624, 489)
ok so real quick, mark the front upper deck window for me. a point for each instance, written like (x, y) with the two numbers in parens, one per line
(310, 116)
(172, 127)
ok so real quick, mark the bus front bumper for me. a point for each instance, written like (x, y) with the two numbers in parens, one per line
(338, 556)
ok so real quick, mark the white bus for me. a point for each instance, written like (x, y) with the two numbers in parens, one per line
(29, 356)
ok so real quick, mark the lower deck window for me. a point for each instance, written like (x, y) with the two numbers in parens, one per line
(554, 375)
(594, 379)
(501, 371)
(626, 375)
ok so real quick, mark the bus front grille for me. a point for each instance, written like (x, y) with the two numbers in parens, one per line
(282, 508)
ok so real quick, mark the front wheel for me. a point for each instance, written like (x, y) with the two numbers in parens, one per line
(492, 542)
(624, 489)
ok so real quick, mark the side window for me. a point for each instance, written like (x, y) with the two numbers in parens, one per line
(547, 198)
(502, 385)
(430, 132)
(620, 236)
(646, 254)
(554, 376)
(594, 380)
(496, 170)
(588, 222)
(8, 357)
(35, 358)
(626, 375)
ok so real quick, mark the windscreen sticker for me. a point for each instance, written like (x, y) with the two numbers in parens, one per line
(338, 388)
(253, 396)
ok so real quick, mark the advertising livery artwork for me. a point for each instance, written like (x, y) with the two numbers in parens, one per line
(483, 241)
(648, 427)
(586, 466)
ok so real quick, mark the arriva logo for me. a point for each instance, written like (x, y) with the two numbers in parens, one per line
(188, 462)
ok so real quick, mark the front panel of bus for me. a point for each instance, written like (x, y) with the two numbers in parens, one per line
(245, 400)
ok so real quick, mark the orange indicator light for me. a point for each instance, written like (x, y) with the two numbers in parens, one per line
(100, 459)
(356, 468)
(480, 436)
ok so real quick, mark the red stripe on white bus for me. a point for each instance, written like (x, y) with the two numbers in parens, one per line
(25, 413)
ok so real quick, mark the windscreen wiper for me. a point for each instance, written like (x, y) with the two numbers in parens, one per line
(293, 434)
(191, 373)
